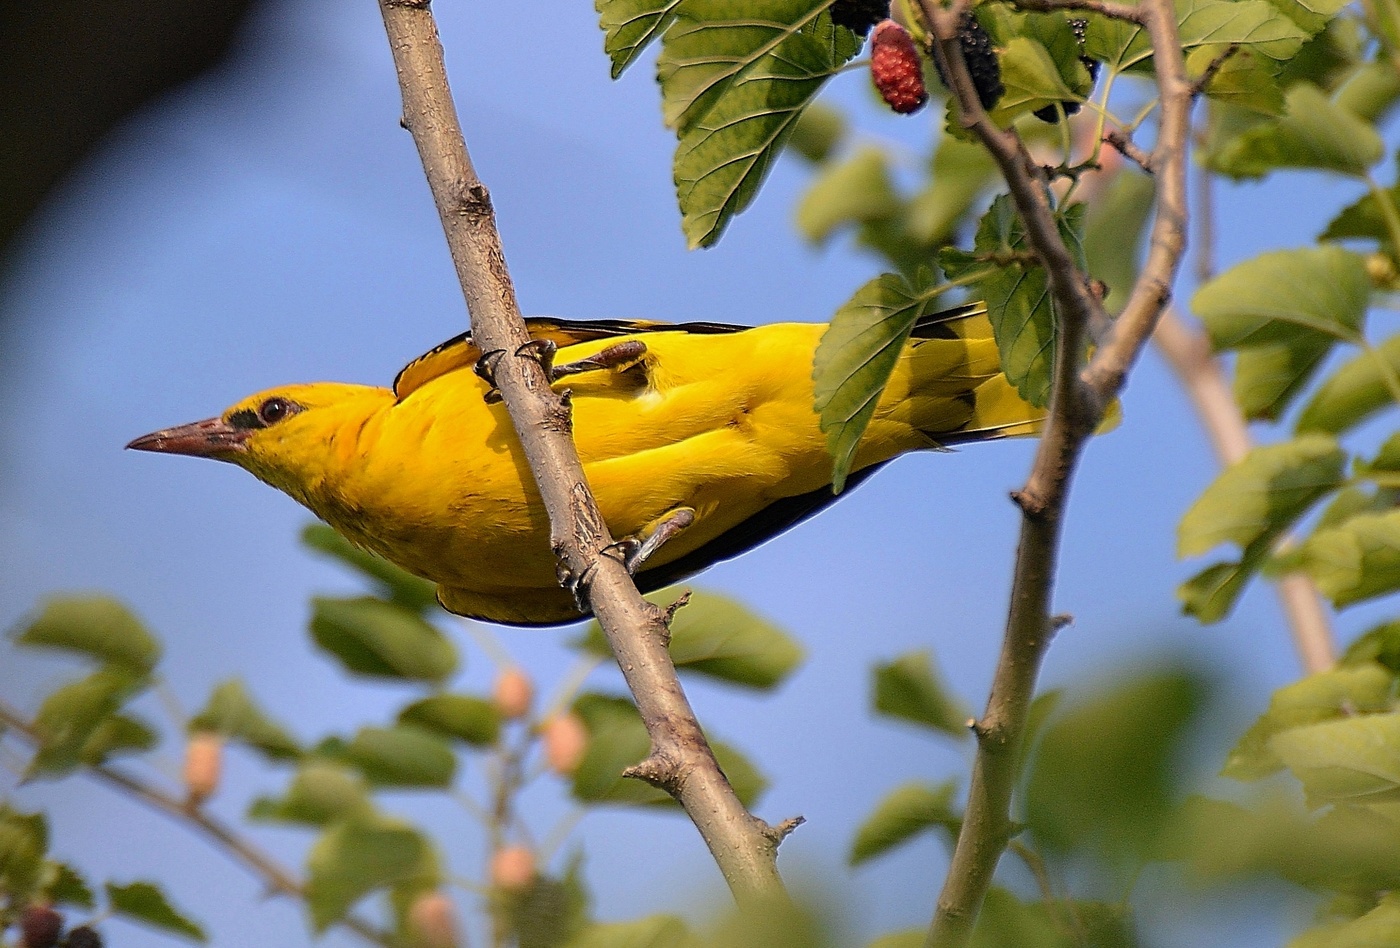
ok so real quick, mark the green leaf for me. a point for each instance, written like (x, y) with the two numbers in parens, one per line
(629, 25)
(547, 913)
(1380, 644)
(1032, 80)
(1262, 494)
(961, 173)
(1371, 90)
(905, 812)
(1244, 80)
(145, 902)
(1363, 219)
(397, 584)
(720, 637)
(1326, 696)
(617, 739)
(357, 856)
(402, 756)
(734, 79)
(654, 931)
(98, 627)
(1313, 133)
(855, 357)
(373, 637)
(1310, 15)
(321, 793)
(71, 715)
(845, 193)
(465, 717)
(1114, 227)
(233, 713)
(1377, 928)
(120, 734)
(1106, 773)
(1213, 592)
(24, 839)
(1213, 25)
(1355, 392)
(908, 938)
(820, 130)
(1267, 377)
(64, 885)
(910, 688)
(1384, 468)
(1356, 560)
(1352, 759)
(1264, 299)
(1007, 921)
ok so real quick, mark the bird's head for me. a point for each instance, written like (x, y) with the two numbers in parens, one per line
(285, 436)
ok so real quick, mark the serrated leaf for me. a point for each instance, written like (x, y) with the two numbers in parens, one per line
(64, 885)
(1328, 695)
(720, 637)
(24, 839)
(1355, 560)
(1106, 773)
(232, 712)
(1265, 299)
(1262, 494)
(321, 793)
(1213, 25)
(1355, 391)
(1267, 377)
(71, 715)
(910, 688)
(630, 25)
(465, 717)
(397, 584)
(905, 812)
(145, 902)
(402, 756)
(382, 639)
(1244, 80)
(848, 192)
(654, 931)
(734, 79)
(1352, 759)
(1313, 133)
(98, 627)
(354, 858)
(617, 739)
(120, 734)
(855, 357)
(1031, 79)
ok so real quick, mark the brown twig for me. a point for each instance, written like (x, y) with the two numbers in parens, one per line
(1078, 401)
(264, 867)
(1116, 11)
(1128, 148)
(680, 761)
(1213, 68)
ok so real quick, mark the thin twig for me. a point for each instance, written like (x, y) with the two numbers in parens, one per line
(1128, 148)
(680, 761)
(264, 867)
(1213, 67)
(1116, 11)
(1189, 355)
(1078, 401)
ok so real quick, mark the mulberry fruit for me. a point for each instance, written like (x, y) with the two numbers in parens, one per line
(896, 69)
(1049, 113)
(859, 16)
(981, 61)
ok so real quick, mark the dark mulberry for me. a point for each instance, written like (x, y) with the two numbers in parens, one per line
(981, 59)
(40, 926)
(859, 16)
(83, 937)
(896, 69)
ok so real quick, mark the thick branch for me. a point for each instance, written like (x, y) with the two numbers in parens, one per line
(263, 866)
(681, 761)
(1076, 406)
(1200, 373)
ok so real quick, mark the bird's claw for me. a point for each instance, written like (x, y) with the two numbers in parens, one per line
(634, 552)
(623, 355)
(542, 351)
(485, 369)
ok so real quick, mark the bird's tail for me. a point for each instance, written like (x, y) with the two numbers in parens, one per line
(949, 385)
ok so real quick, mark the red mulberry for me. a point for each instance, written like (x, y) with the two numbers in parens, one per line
(896, 69)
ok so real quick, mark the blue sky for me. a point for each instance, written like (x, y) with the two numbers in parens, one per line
(270, 224)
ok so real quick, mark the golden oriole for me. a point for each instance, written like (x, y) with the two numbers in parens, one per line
(703, 435)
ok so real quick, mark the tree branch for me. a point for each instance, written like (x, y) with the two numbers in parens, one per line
(680, 761)
(263, 866)
(1189, 355)
(1115, 11)
(1078, 401)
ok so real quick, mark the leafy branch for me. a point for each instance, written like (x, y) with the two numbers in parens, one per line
(681, 761)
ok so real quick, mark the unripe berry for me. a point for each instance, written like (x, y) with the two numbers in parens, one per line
(512, 868)
(514, 693)
(565, 743)
(204, 754)
(895, 68)
(39, 927)
(432, 919)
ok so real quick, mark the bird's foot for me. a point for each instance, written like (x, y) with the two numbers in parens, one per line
(634, 551)
(621, 356)
(485, 369)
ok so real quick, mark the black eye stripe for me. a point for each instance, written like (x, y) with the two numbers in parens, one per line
(245, 419)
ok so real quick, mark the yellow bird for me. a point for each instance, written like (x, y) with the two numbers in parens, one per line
(700, 441)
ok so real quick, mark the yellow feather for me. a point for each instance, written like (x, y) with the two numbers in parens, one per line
(712, 418)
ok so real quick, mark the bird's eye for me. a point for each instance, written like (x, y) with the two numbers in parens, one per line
(275, 409)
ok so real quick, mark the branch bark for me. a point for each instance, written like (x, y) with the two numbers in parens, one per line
(264, 867)
(680, 762)
(1078, 402)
